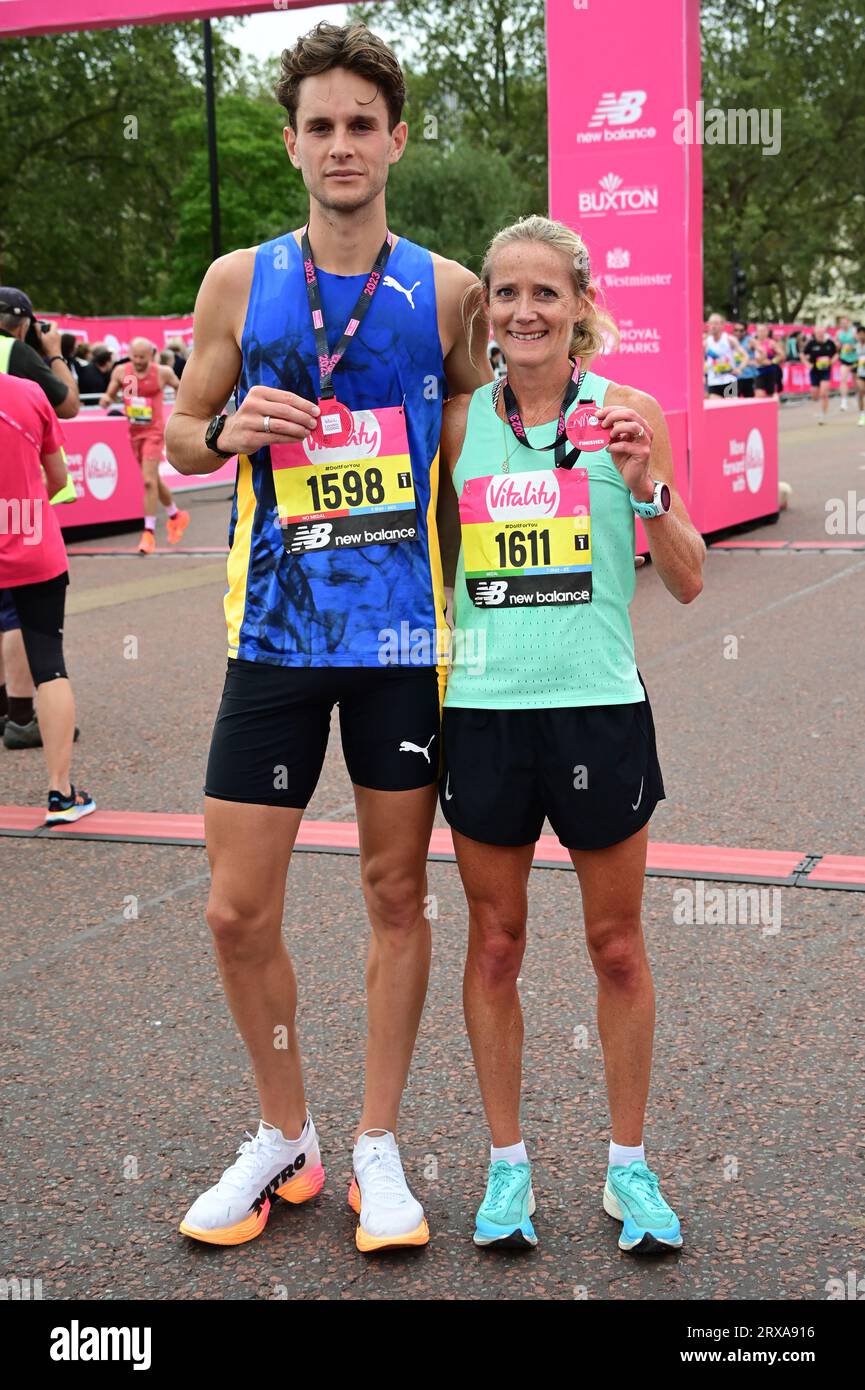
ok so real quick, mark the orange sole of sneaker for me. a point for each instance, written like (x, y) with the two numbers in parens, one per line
(367, 1243)
(297, 1190)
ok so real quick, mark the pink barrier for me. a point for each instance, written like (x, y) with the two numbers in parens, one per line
(107, 477)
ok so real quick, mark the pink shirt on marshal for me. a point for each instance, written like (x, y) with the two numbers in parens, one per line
(31, 546)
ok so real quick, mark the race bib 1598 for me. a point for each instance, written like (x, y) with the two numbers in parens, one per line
(357, 493)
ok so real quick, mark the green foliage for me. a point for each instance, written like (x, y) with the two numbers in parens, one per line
(796, 218)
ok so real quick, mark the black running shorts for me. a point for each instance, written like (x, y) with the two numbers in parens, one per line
(40, 608)
(272, 727)
(593, 772)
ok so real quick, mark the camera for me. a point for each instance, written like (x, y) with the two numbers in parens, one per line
(33, 336)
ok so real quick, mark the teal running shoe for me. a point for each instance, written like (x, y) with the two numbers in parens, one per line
(632, 1196)
(504, 1216)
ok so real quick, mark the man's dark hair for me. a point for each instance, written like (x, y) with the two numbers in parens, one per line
(101, 356)
(350, 46)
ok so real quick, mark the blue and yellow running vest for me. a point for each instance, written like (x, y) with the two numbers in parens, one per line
(327, 609)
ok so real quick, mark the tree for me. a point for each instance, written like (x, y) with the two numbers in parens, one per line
(797, 216)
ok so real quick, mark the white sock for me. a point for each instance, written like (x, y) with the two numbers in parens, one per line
(150, 523)
(172, 510)
(511, 1153)
(621, 1155)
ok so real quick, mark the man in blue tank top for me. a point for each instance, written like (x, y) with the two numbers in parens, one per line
(340, 341)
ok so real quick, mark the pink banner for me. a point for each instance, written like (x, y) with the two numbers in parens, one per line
(106, 475)
(617, 74)
(52, 16)
(117, 334)
(737, 476)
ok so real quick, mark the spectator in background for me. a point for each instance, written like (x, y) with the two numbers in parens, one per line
(181, 352)
(747, 362)
(34, 573)
(93, 378)
(67, 349)
(38, 359)
(83, 352)
(778, 362)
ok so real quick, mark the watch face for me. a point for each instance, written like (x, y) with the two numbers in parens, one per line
(213, 429)
(665, 498)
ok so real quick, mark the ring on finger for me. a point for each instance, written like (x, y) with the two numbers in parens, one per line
(265, 424)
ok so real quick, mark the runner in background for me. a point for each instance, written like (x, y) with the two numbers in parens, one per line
(819, 352)
(860, 370)
(849, 354)
(142, 382)
(746, 360)
(719, 352)
(766, 353)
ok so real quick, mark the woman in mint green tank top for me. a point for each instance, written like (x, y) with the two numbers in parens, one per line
(546, 716)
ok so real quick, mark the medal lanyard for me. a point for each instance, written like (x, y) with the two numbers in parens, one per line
(564, 456)
(328, 362)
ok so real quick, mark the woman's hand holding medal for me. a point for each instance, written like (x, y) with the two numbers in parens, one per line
(267, 416)
(630, 446)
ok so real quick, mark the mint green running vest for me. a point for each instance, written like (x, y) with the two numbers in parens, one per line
(555, 655)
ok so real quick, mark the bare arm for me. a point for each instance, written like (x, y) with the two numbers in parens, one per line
(72, 404)
(168, 378)
(454, 418)
(211, 373)
(453, 283)
(115, 382)
(676, 547)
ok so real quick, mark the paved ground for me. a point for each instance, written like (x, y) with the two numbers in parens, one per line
(126, 1088)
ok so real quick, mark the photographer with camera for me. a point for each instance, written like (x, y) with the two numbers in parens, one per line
(31, 348)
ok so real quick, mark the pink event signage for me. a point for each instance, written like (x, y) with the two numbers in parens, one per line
(52, 16)
(617, 75)
(106, 476)
(117, 334)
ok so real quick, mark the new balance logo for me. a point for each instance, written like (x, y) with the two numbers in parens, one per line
(279, 1181)
(490, 592)
(618, 110)
(395, 285)
(311, 537)
(407, 747)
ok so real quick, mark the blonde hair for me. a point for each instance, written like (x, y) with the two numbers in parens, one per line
(587, 339)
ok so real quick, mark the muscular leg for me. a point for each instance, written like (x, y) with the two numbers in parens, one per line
(57, 725)
(495, 880)
(249, 848)
(611, 882)
(394, 830)
(165, 496)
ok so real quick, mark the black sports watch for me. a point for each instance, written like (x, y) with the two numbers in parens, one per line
(214, 430)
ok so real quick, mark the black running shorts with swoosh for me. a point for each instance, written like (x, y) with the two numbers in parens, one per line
(271, 730)
(592, 771)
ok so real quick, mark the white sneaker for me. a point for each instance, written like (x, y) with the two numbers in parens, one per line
(389, 1214)
(821, 419)
(843, 405)
(237, 1207)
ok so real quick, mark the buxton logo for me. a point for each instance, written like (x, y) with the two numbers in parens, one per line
(100, 471)
(363, 442)
(615, 197)
(515, 499)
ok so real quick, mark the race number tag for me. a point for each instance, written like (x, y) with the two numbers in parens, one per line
(358, 491)
(823, 363)
(139, 410)
(527, 538)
